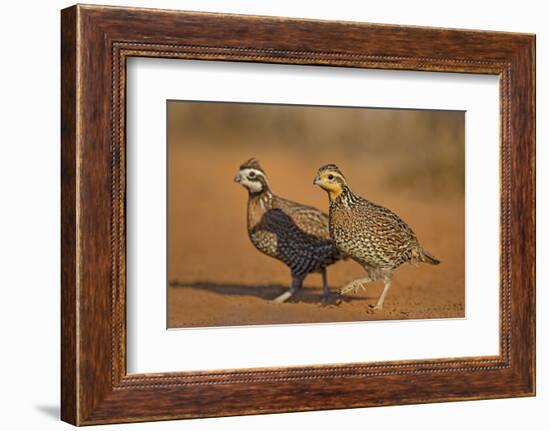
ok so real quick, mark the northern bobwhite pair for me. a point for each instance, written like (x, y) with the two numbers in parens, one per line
(307, 240)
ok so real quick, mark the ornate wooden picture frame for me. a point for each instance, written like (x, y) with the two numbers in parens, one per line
(96, 42)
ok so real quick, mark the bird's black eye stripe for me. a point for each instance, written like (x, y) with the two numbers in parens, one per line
(331, 177)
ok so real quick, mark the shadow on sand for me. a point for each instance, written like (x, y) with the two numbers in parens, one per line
(267, 292)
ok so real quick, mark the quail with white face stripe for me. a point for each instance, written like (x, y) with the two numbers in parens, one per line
(295, 234)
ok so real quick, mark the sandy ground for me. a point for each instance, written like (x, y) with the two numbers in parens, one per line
(217, 278)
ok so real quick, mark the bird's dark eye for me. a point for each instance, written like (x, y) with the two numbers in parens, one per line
(331, 177)
(252, 174)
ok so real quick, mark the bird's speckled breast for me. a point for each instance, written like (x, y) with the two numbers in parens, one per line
(262, 239)
(343, 231)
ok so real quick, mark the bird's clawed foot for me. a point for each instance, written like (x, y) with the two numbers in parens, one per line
(371, 309)
(331, 301)
(355, 285)
(283, 297)
(374, 308)
(351, 287)
(296, 284)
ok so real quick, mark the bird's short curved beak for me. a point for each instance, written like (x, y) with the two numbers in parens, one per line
(317, 181)
(237, 178)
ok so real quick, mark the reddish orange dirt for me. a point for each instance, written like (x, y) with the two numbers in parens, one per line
(217, 278)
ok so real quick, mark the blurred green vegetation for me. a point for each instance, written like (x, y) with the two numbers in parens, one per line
(426, 147)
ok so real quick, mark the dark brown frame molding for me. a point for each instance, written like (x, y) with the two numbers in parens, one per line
(95, 43)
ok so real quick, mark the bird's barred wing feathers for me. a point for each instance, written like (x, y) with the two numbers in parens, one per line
(308, 219)
(394, 239)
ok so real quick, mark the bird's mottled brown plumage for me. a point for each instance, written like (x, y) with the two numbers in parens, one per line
(370, 234)
(296, 234)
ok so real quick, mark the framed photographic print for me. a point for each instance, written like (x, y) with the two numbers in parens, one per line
(265, 214)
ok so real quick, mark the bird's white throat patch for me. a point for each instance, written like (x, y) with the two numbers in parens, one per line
(250, 179)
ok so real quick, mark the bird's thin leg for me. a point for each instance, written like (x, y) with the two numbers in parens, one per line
(325, 286)
(294, 286)
(355, 285)
(380, 303)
